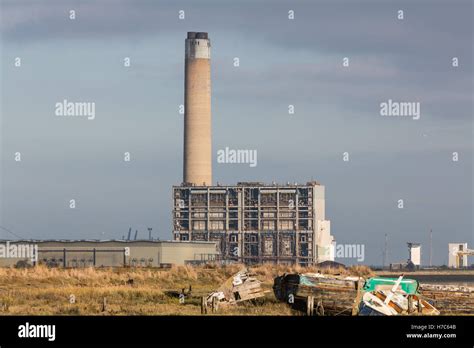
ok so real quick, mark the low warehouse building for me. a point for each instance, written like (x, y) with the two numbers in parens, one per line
(106, 253)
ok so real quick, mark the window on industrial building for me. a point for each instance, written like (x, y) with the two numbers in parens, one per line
(268, 225)
(286, 225)
(217, 225)
(199, 225)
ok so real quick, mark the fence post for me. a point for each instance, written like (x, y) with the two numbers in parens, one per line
(309, 305)
(215, 304)
(410, 304)
(203, 305)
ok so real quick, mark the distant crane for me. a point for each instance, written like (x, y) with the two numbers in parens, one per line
(129, 233)
(136, 234)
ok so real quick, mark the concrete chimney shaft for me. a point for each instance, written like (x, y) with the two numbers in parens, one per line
(197, 166)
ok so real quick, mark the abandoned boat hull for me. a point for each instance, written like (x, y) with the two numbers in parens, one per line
(335, 295)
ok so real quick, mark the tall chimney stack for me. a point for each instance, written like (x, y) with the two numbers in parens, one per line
(197, 166)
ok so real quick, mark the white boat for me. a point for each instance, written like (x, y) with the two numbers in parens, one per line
(371, 305)
(395, 302)
(399, 302)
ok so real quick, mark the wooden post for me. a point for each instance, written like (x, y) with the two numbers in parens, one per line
(104, 304)
(309, 305)
(203, 305)
(419, 305)
(410, 304)
(215, 304)
(320, 308)
(356, 304)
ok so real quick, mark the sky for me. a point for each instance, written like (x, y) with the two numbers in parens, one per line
(282, 62)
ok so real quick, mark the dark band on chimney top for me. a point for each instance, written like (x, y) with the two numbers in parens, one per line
(197, 35)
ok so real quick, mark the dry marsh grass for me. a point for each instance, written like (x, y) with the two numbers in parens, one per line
(134, 291)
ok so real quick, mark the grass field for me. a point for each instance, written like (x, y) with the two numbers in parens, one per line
(133, 291)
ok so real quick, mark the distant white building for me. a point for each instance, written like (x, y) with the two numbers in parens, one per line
(414, 253)
(454, 248)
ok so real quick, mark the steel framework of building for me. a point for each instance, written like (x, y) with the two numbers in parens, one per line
(252, 222)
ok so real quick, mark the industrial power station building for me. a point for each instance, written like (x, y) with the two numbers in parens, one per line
(251, 222)
(255, 223)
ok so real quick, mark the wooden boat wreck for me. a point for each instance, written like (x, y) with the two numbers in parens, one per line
(242, 286)
(322, 294)
(373, 303)
(396, 300)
